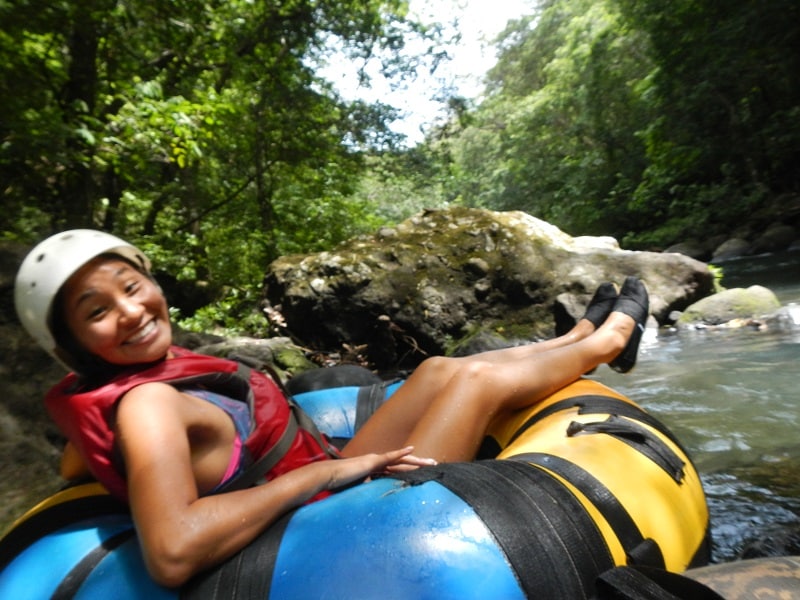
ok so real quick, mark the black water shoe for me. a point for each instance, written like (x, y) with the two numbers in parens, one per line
(634, 302)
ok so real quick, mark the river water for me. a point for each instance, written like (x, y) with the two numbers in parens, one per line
(733, 397)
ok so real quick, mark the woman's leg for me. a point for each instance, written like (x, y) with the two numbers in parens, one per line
(454, 424)
(446, 406)
(392, 424)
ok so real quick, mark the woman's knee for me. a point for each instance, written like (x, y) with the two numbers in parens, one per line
(476, 371)
(437, 368)
(443, 368)
(481, 383)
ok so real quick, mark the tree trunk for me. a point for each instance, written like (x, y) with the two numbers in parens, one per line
(79, 97)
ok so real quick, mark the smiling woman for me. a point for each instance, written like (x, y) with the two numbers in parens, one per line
(551, 513)
(41, 286)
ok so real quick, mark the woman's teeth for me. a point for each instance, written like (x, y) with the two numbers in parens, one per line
(142, 333)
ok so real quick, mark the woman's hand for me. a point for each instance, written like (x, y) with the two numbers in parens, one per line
(345, 471)
(409, 462)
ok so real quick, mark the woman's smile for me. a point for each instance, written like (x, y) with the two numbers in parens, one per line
(149, 328)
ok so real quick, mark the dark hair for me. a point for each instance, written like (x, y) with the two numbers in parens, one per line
(92, 370)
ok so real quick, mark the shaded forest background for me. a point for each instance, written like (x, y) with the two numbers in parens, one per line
(203, 133)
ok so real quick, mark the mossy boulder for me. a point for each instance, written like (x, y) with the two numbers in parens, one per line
(733, 305)
(444, 276)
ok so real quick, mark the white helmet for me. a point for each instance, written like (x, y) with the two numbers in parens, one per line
(48, 266)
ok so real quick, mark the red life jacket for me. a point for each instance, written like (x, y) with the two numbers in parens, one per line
(282, 437)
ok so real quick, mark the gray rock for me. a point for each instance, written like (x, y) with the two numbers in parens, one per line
(776, 238)
(278, 354)
(446, 275)
(692, 249)
(732, 248)
(739, 305)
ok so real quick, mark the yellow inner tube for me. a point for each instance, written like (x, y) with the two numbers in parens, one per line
(74, 492)
(667, 507)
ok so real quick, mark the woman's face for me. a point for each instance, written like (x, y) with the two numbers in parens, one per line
(117, 313)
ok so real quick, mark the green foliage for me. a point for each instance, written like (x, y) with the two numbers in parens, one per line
(199, 131)
(232, 315)
(396, 185)
(725, 85)
(557, 135)
(203, 132)
(718, 273)
(650, 121)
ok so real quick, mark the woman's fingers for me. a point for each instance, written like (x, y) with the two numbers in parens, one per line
(408, 462)
(417, 461)
(348, 470)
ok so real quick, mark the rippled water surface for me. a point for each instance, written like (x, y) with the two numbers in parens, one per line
(733, 398)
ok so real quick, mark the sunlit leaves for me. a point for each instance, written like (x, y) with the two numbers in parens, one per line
(557, 134)
(199, 129)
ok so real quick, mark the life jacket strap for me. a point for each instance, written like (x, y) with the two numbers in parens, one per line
(298, 420)
(256, 471)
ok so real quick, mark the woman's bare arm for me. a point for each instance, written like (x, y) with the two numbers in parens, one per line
(182, 533)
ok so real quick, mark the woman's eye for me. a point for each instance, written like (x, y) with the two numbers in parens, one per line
(96, 312)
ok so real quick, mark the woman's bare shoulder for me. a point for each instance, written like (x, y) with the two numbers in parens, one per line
(153, 407)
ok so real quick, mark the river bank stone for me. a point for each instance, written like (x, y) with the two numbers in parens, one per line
(777, 237)
(732, 248)
(736, 306)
